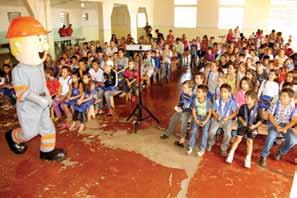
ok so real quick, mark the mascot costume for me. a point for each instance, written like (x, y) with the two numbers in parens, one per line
(28, 43)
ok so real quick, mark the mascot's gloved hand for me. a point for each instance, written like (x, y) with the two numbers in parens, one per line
(43, 102)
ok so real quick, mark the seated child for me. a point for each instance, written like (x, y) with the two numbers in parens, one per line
(212, 78)
(130, 85)
(245, 85)
(183, 112)
(283, 117)
(201, 119)
(199, 80)
(224, 110)
(83, 104)
(109, 87)
(268, 91)
(75, 92)
(52, 84)
(65, 81)
(6, 87)
(249, 119)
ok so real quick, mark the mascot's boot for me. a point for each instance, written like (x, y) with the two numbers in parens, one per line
(54, 155)
(17, 148)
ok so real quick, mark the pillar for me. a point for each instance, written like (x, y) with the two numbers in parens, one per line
(133, 11)
(107, 7)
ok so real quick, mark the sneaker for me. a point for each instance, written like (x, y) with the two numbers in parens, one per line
(247, 163)
(230, 158)
(224, 153)
(278, 156)
(164, 137)
(189, 151)
(209, 148)
(200, 153)
(177, 143)
(262, 161)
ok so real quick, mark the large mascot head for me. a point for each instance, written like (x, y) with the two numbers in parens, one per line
(28, 40)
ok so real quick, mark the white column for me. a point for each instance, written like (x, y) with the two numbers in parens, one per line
(150, 14)
(107, 7)
(133, 11)
(41, 10)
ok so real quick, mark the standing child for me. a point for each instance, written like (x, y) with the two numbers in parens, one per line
(83, 104)
(249, 119)
(157, 69)
(182, 112)
(166, 66)
(283, 117)
(201, 119)
(224, 110)
(148, 69)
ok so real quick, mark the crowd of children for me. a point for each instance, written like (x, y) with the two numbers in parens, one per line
(245, 80)
(238, 86)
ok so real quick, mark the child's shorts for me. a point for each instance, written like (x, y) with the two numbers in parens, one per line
(247, 133)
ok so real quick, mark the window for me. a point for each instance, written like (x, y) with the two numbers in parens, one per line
(185, 13)
(141, 19)
(64, 18)
(231, 2)
(185, 2)
(12, 15)
(283, 18)
(85, 17)
(231, 14)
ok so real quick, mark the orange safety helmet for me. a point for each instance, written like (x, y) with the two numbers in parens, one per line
(25, 26)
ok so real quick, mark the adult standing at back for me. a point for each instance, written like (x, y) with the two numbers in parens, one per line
(62, 31)
(69, 30)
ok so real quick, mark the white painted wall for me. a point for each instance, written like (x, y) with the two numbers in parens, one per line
(4, 17)
(81, 28)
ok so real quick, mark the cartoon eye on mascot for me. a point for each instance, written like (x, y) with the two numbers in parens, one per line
(28, 43)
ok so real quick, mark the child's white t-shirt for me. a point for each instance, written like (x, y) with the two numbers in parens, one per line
(97, 76)
(65, 85)
(270, 88)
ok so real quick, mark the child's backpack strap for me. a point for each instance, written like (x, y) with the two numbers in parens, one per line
(68, 81)
(292, 113)
(208, 105)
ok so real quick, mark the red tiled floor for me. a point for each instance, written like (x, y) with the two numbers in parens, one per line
(103, 172)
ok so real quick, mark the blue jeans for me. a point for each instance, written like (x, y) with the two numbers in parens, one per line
(290, 141)
(204, 136)
(183, 117)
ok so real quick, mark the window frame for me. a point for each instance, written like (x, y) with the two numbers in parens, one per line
(181, 4)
